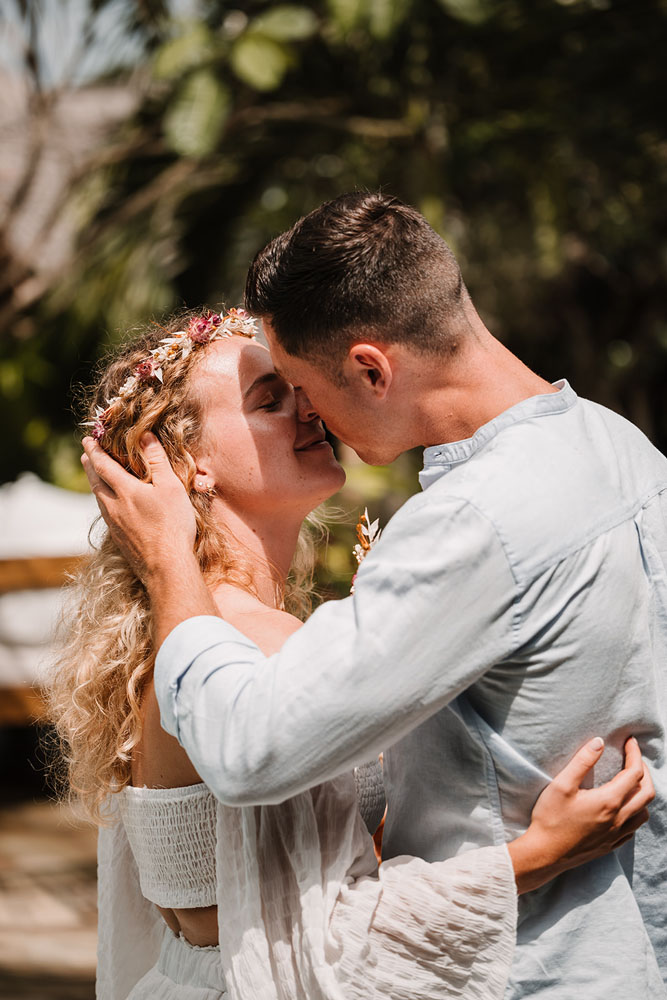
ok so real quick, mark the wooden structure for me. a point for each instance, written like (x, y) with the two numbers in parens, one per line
(22, 704)
(43, 536)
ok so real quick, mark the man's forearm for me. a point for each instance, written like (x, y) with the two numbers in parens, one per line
(358, 676)
(177, 591)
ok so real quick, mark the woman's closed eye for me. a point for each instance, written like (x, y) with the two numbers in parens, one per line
(268, 392)
(274, 399)
(271, 404)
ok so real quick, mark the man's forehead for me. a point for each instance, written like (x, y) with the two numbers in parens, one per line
(291, 372)
(292, 369)
(282, 363)
(276, 350)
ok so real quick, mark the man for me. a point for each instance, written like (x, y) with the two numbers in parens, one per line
(513, 609)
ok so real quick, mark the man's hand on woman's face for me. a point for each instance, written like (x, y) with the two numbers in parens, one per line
(153, 523)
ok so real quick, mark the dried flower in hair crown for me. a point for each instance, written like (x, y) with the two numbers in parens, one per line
(367, 534)
(200, 330)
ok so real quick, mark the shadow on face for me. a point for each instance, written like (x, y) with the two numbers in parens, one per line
(256, 449)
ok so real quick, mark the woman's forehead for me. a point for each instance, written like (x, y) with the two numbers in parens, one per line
(236, 361)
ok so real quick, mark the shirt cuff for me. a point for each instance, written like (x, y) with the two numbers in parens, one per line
(179, 652)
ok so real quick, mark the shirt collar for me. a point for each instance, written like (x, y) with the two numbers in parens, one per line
(440, 458)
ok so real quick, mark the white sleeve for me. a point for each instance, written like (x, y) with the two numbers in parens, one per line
(433, 609)
(302, 912)
(445, 929)
(130, 929)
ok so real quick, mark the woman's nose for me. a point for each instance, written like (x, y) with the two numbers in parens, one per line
(304, 408)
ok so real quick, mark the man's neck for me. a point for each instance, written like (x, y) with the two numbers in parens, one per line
(485, 382)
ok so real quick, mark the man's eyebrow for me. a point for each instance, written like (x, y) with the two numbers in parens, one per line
(262, 380)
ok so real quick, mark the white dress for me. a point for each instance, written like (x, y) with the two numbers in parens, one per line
(303, 913)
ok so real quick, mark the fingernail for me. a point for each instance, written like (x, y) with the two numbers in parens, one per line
(146, 439)
(596, 743)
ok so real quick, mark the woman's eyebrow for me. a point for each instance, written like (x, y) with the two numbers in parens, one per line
(262, 380)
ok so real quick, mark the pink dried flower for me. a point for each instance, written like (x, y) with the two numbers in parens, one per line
(98, 431)
(200, 330)
(145, 369)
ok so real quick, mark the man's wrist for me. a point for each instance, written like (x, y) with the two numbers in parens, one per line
(177, 591)
(168, 568)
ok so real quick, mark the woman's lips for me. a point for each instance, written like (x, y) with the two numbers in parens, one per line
(314, 445)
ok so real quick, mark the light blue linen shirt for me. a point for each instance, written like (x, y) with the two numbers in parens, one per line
(515, 608)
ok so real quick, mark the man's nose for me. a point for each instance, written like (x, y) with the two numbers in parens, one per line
(304, 408)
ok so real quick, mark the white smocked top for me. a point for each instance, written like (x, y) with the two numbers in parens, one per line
(172, 834)
(303, 911)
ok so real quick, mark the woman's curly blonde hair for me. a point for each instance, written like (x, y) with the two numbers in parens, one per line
(106, 653)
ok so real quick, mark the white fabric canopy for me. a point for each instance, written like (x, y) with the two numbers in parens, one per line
(42, 520)
(37, 520)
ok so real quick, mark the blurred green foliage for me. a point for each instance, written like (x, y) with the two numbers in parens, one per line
(529, 132)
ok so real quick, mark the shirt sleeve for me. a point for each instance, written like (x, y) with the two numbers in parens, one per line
(432, 611)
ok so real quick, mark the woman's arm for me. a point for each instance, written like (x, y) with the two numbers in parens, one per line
(571, 825)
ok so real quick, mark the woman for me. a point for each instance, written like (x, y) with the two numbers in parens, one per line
(281, 901)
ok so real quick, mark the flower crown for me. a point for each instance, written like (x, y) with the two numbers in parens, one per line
(200, 330)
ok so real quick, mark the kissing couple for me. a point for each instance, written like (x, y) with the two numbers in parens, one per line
(504, 650)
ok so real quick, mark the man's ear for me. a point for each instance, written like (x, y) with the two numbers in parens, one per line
(368, 367)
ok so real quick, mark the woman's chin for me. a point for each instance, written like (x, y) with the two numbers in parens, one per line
(338, 477)
(327, 485)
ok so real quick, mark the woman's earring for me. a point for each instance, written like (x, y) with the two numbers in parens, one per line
(201, 486)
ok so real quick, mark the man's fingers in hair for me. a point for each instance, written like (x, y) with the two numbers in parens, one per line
(157, 462)
(98, 487)
(108, 470)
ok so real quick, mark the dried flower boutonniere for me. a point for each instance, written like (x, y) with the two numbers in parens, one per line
(367, 535)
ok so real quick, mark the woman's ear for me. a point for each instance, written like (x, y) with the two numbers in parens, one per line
(204, 485)
(204, 481)
(369, 368)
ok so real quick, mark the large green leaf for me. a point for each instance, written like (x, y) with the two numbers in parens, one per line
(346, 14)
(184, 52)
(381, 17)
(472, 11)
(196, 117)
(385, 16)
(287, 23)
(260, 62)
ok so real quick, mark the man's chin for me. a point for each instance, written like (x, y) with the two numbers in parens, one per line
(371, 456)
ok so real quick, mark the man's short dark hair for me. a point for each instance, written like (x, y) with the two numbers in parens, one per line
(363, 263)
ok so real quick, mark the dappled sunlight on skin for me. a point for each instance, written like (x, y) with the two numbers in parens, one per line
(343, 408)
(266, 466)
(260, 455)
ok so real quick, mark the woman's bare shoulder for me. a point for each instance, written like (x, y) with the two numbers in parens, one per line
(267, 627)
(270, 629)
